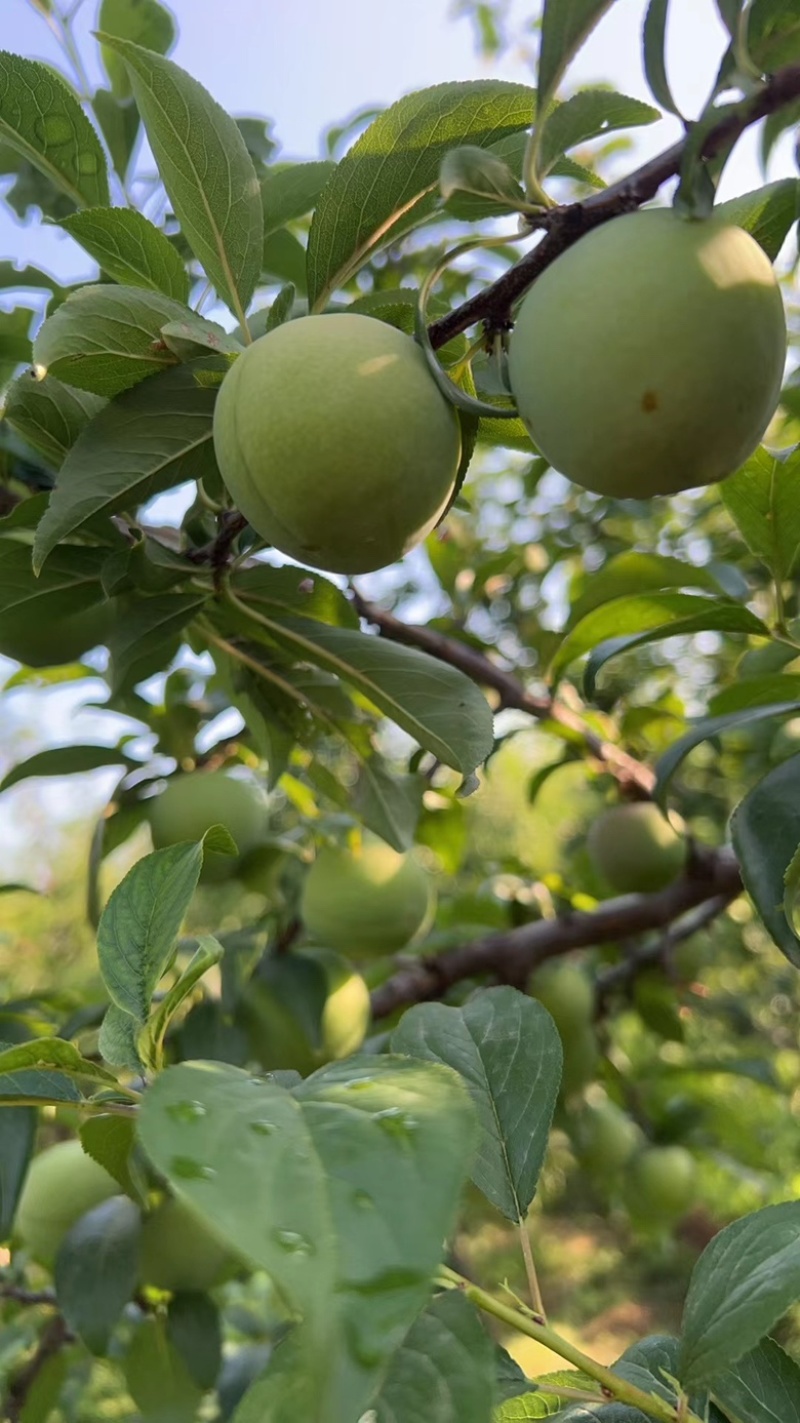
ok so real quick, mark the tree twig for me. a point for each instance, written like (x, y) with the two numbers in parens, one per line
(652, 955)
(567, 223)
(710, 876)
(53, 1338)
(636, 778)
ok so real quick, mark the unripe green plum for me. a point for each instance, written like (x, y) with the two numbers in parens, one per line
(365, 902)
(566, 992)
(179, 1251)
(635, 848)
(581, 1061)
(335, 442)
(605, 1137)
(661, 1182)
(649, 357)
(52, 641)
(196, 800)
(287, 1033)
(62, 1184)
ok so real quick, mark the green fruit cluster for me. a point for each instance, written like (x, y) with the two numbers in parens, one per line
(177, 1249)
(566, 991)
(649, 357)
(636, 849)
(366, 902)
(194, 801)
(303, 1010)
(335, 443)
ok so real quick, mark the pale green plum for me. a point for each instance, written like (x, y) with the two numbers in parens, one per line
(567, 993)
(605, 1137)
(635, 848)
(62, 1184)
(179, 1251)
(335, 442)
(365, 902)
(286, 1035)
(661, 1183)
(194, 801)
(649, 357)
(581, 1061)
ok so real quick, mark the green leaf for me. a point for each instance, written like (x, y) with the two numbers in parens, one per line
(15, 343)
(284, 260)
(388, 182)
(387, 803)
(763, 499)
(765, 828)
(110, 1140)
(36, 1084)
(42, 120)
(48, 1054)
(66, 761)
(157, 1378)
(768, 214)
(140, 923)
(130, 249)
(17, 1133)
(443, 1370)
(773, 34)
(507, 1048)
(631, 573)
(206, 170)
(441, 708)
(28, 277)
(118, 1039)
(150, 439)
(774, 126)
(120, 123)
(591, 113)
(743, 1282)
(776, 691)
(729, 12)
(107, 338)
(290, 192)
(470, 169)
(70, 584)
(565, 26)
(193, 337)
(193, 1329)
(343, 1191)
(708, 727)
(97, 1268)
(49, 415)
(631, 622)
(147, 634)
(279, 591)
(654, 39)
(146, 22)
(763, 1387)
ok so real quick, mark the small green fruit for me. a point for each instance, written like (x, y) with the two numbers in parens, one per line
(178, 1250)
(635, 848)
(62, 1184)
(605, 1138)
(661, 1183)
(335, 443)
(196, 800)
(567, 994)
(581, 1061)
(305, 1009)
(366, 902)
(649, 357)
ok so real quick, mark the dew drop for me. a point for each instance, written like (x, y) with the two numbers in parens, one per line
(396, 1122)
(360, 1085)
(293, 1242)
(186, 1111)
(54, 129)
(87, 162)
(262, 1128)
(363, 1201)
(186, 1169)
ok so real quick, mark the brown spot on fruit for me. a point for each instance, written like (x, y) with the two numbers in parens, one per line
(649, 402)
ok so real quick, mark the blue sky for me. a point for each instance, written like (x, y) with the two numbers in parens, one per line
(307, 64)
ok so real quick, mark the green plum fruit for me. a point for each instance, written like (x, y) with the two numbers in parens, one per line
(305, 1009)
(581, 1061)
(365, 902)
(649, 357)
(52, 641)
(62, 1184)
(194, 801)
(566, 992)
(335, 442)
(661, 1183)
(179, 1251)
(635, 848)
(605, 1137)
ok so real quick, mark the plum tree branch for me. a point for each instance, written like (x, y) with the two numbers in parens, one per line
(632, 775)
(565, 224)
(710, 876)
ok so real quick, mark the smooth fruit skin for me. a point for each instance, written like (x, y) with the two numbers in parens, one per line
(367, 902)
(567, 994)
(661, 1183)
(605, 1138)
(649, 357)
(178, 1251)
(636, 849)
(335, 443)
(62, 1184)
(279, 1040)
(53, 642)
(196, 800)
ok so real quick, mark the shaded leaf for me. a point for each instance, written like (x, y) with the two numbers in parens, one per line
(42, 120)
(130, 249)
(633, 572)
(586, 115)
(708, 727)
(765, 828)
(292, 191)
(49, 415)
(17, 1135)
(565, 26)
(120, 123)
(146, 22)
(97, 1268)
(654, 38)
(193, 1329)
(157, 1378)
(443, 1371)
(65, 761)
(107, 338)
(768, 214)
(763, 499)
(762, 1387)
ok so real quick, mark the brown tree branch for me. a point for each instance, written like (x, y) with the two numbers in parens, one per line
(54, 1337)
(513, 954)
(657, 954)
(637, 779)
(566, 224)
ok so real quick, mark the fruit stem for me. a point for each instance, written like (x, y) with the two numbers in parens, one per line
(613, 1385)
